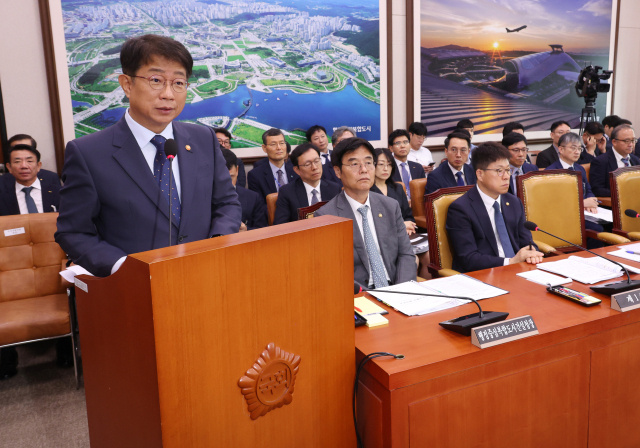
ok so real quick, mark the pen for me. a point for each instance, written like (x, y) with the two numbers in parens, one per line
(632, 252)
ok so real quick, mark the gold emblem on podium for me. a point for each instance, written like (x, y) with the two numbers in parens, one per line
(268, 384)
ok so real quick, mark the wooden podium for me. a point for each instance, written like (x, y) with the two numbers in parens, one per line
(175, 344)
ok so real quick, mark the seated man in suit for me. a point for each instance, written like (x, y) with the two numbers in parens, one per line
(306, 190)
(267, 177)
(609, 123)
(454, 172)
(254, 210)
(28, 194)
(465, 125)
(341, 133)
(400, 145)
(224, 138)
(44, 175)
(317, 135)
(550, 155)
(382, 253)
(517, 145)
(570, 146)
(623, 140)
(486, 224)
(594, 142)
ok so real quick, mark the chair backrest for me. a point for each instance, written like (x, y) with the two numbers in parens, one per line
(436, 207)
(587, 168)
(417, 187)
(404, 187)
(553, 200)
(307, 212)
(271, 206)
(625, 188)
(30, 259)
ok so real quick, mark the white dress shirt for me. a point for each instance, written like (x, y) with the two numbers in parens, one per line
(355, 205)
(309, 189)
(454, 171)
(488, 203)
(619, 159)
(398, 163)
(274, 171)
(36, 195)
(422, 156)
(324, 156)
(566, 165)
(143, 136)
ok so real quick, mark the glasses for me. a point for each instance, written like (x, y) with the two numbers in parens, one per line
(276, 145)
(520, 150)
(384, 165)
(631, 141)
(357, 166)
(573, 148)
(224, 142)
(158, 82)
(316, 163)
(561, 132)
(458, 150)
(500, 171)
(402, 143)
(419, 137)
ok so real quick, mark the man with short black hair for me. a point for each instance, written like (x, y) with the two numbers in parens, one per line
(489, 206)
(224, 138)
(268, 177)
(512, 126)
(50, 177)
(551, 154)
(624, 140)
(455, 171)
(254, 210)
(594, 142)
(382, 253)
(418, 153)
(516, 144)
(306, 190)
(399, 145)
(609, 123)
(117, 198)
(466, 125)
(318, 136)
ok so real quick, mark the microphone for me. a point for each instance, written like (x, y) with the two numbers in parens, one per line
(170, 149)
(463, 324)
(607, 288)
(631, 213)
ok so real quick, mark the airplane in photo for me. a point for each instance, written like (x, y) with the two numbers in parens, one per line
(516, 30)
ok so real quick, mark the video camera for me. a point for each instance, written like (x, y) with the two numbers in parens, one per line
(589, 82)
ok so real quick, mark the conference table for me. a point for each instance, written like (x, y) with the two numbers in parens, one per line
(575, 384)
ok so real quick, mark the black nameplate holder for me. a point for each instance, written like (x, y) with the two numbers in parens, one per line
(626, 301)
(502, 332)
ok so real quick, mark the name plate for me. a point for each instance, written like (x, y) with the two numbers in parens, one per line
(626, 301)
(504, 331)
(12, 232)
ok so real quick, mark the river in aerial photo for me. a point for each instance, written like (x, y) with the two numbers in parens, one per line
(291, 111)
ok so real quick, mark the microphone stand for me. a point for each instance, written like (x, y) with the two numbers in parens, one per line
(170, 159)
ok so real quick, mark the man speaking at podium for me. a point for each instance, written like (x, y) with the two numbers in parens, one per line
(115, 199)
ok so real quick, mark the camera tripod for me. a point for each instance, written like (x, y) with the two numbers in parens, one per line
(588, 113)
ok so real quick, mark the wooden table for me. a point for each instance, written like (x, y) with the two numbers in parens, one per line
(573, 385)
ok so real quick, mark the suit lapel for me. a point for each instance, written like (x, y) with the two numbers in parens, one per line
(301, 193)
(613, 164)
(453, 182)
(47, 196)
(271, 181)
(325, 193)
(481, 212)
(510, 221)
(358, 242)
(11, 202)
(129, 156)
(188, 161)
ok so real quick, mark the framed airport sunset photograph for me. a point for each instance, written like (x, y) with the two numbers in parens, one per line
(498, 61)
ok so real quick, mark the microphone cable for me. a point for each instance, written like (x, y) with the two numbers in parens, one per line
(361, 365)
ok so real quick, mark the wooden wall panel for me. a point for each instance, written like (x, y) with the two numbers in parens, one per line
(369, 417)
(615, 396)
(542, 406)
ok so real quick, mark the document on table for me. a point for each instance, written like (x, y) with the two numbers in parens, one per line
(583, 270)
(622, 253)
(70, 273)
(603, 214)
(544, 278)
(442, 288)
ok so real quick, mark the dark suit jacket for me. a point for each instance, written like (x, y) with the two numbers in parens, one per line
(261, 178)
(600, 169)
(44, 175)
(586, 187)
(391, 232)
(293, 196)
(112, 206)
(526, 168)
(547, 157)
(442, 177)
(471, 235)
(328, 173)
(396, 192)
(254, 210)
(50, 195)
(242, 174)
(415, 169)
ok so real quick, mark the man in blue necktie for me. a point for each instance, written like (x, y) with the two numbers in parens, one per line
(117, 182)
(486, 224)
(400, 145)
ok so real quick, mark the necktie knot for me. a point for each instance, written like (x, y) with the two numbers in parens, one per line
(496, 206)
(314, 196)
(158, 141)
(363, 211)
(625, 161)
(460, 180)
(27, 190)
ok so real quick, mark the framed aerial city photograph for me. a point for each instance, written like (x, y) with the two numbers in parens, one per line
(257, 65)
(497, 61)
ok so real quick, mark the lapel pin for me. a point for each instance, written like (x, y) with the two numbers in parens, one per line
(380, 215)
(188, 148)
(507, 203)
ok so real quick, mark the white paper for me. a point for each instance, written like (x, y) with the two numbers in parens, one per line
(605, 264)
(12, 232)
(603, 214)
(70, 273)
(583, 270)
(544, 278)
(622, 253)
(632, 247)
(462, 285)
